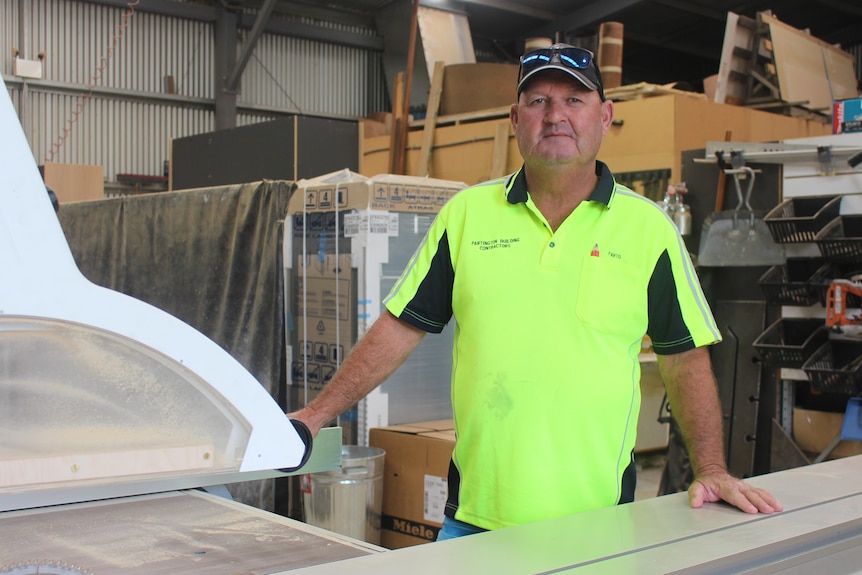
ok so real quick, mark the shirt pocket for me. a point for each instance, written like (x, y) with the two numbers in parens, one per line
(612, 297)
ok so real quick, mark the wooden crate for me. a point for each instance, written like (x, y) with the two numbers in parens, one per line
(655, 131)
(650, 134)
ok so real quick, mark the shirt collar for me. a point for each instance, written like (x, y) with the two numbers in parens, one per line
(516, 187)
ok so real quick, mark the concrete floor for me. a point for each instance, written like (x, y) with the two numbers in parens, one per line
(649, 465)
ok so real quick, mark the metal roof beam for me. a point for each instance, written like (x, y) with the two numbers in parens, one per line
(690, 8)
(224, 60)
(515, 8)
(284, 27)
(672, 46)
(592, 14)
(166, 8)
(842, 6)
(249, 46)
(326, 35)
(319, 12)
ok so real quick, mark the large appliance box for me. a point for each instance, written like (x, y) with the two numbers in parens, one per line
(350, 238)
(414, 480)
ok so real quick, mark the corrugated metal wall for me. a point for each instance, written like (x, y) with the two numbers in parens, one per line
(123, 135)
(8, 30)
(141, 48)
(127, 122)
(282, 73)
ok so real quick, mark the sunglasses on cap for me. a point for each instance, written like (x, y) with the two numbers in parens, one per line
(578, 62)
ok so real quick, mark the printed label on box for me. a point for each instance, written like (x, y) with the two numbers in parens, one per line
(399, 196)
(353, 225)
(371, 222)
(847, 116)
(325, 198)
(409, 528)
(436, 491)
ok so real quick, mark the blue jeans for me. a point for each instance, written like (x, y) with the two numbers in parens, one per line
(452, 528)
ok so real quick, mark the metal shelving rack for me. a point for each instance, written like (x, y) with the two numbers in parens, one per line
(818, 166)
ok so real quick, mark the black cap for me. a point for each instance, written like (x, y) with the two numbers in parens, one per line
(576, 62)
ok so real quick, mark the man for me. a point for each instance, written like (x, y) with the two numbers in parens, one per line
(553, 275)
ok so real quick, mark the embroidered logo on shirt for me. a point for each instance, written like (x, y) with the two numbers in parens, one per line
(485, 245)
(595, 252)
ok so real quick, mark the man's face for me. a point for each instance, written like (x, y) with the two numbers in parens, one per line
(558, 120)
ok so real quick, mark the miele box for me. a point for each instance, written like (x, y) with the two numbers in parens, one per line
(847, 116)
(348, 241)
(414, 480)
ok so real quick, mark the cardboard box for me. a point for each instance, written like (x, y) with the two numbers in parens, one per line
(813, 431)
(675, 123)
(326, 315)
(346, 190)
(350, 238)
(415, 472)
(847, 116)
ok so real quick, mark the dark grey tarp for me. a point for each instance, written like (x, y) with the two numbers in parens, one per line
(211, 257)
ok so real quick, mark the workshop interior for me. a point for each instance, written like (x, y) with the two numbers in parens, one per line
(206, 202)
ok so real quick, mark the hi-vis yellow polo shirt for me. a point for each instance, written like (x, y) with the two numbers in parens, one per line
(545, 378)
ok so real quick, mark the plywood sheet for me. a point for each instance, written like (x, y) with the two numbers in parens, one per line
(74, 182)
(842, 76)
(463, 152)
(481, 86)
(728, 89)
(809, 70)
(445, 37)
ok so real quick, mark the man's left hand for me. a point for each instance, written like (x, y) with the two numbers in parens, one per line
(721, 486)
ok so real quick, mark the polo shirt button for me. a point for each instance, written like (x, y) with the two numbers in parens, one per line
(552, 244)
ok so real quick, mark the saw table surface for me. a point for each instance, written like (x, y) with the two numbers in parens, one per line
(169, 533)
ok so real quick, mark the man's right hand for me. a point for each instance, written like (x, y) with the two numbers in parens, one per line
(306, 416)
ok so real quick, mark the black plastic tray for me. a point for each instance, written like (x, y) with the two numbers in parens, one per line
(836, 367)
(789, 283)
(799, 219)
(789, 342)
(841, 239)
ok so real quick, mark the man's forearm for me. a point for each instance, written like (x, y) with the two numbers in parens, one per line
(374, 358)
(693, 397)
(694, 402)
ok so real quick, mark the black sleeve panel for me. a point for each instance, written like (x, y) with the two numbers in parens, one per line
(667, 330)
(431, 307)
